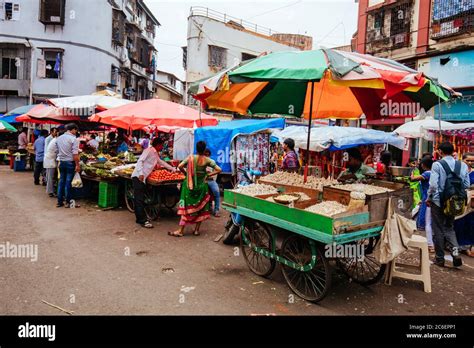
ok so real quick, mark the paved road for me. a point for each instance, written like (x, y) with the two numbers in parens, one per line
(99, 262)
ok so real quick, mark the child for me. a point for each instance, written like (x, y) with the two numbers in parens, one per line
(415, 185)
(424, 215)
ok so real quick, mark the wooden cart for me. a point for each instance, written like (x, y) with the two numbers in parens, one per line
(299, 240)
(158, 195)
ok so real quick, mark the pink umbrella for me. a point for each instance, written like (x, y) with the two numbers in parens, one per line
(156, 112)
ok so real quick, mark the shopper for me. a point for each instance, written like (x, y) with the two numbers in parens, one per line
(441, 197)
(67, 146)
(39, 155)
(23, 140)
(214, 187)
(290, 160)
(385, 162)
(145, 141)
(423, 221)
(93, 143)
(145, 165)
(50, 164)
(53, 134)
(194, 205)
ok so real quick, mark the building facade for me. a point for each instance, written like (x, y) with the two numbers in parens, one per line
(169, 87)
(432, 36)
(216, 41)
(114, 49)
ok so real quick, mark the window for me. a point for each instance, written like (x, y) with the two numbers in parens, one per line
(9, 11)
(52, 11)
(172, 81)
(9, 69)
(12, 63)
(246, 56)
(50, 56)
(114, 76)
(217, 57)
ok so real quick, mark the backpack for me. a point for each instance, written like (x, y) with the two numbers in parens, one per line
(454, 196)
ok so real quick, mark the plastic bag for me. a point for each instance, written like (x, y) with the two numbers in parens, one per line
(77, 181)
(394, 237)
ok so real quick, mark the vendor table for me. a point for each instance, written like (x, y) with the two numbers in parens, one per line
(305, 237)
(157, 195)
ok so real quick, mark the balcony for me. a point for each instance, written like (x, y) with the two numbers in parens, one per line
(20, 86)
(451, 18)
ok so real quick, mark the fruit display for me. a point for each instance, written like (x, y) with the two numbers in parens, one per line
(256, 190)
(327, 208)
(364, 188)
(162, 175)
(295, 179)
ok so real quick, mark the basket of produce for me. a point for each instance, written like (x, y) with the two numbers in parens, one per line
(287, 198)
(161, 176)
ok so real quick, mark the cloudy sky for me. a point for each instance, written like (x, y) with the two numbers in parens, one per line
(330, 22)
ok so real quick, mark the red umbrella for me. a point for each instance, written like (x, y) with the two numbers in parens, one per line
(156, 112)
(40, 110)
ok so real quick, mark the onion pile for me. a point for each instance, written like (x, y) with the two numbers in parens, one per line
(327, 208)
(295, 179)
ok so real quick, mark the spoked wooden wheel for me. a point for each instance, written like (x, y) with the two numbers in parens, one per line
(259, 236)
(311, 285)
(129, 198)
(366, 270)
(152, 204)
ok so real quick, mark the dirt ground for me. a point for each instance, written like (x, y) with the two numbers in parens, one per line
(92, 261)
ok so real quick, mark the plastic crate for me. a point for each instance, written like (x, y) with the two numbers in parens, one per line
(19, 166)
(108, 195)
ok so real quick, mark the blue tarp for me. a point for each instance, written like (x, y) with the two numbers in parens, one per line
(20, 110)
(338, 138)
(9, 119)
(219, 138)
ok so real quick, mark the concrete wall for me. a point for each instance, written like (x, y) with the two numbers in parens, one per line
(85, 39)
(203, 31)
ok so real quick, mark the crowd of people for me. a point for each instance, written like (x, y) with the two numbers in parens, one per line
(57, 155)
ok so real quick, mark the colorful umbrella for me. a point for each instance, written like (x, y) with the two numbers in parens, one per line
(6, 127)
(20, 110)
(45, 114)
(156, 112)
(327, 83)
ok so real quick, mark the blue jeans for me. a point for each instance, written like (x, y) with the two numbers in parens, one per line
(66, 172)
(214, 187)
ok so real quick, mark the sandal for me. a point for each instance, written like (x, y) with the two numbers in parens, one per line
(175, 234)
(196, 233)
(431, 249)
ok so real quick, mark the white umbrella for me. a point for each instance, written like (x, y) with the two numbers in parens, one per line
(88, 101)
(413, 129)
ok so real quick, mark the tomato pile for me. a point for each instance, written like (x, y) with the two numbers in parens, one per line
(164, 175)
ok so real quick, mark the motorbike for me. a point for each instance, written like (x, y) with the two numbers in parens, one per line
(232, 227)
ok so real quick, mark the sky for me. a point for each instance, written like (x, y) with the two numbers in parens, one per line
(331, 23)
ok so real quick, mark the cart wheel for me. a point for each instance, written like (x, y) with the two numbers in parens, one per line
(152, 204)
(258, 235)
(129, 199)
(171, 201)
(152, 211)
(367, 271)
(312, 285)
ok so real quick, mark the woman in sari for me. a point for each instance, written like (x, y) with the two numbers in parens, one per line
(194, 205)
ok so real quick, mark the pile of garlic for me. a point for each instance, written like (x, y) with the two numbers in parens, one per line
(303, 197)
(256, 190)
(295, 179)
(327, 208)
(367, 189)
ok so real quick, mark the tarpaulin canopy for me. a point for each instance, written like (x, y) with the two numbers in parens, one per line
(461, 130)
(413, 129)
(9, 119)
(156, 112)
(219, 138)
(20, 110)
(338, 138)
(89, 101)
(45, 114)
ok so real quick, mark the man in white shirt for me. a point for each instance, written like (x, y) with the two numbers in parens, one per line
(50, 164)
(93, 142)
(53, 134)
(23, 140)
(145, 165)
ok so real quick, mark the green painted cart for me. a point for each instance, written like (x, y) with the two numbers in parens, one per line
(302, 242)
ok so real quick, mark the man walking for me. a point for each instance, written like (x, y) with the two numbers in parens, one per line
(67, 147)
(439, 197)
(39, 155)
(145, 165)
(50, 162)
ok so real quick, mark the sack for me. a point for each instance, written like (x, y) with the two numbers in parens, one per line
(454, 196)
(394, 237)
(76, 181)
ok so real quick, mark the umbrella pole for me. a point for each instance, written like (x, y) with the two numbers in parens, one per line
(309, 132)
(439, 116)
(200, 111)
